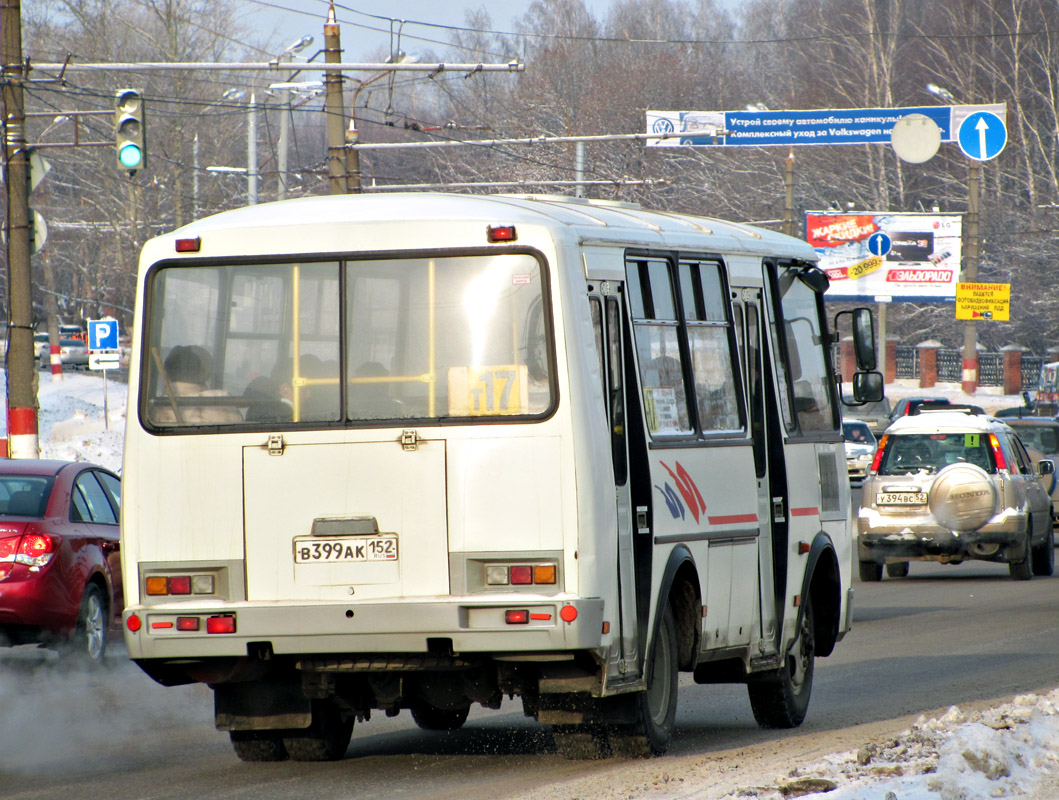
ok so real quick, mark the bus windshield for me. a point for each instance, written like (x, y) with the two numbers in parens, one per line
(347, 341)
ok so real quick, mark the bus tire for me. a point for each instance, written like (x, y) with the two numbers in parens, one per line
(258, 745)
(780, 699)
(326, 739)
(432, 718)
(656, 708)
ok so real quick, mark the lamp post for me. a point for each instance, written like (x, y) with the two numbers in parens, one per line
(971, 254)
(284, 125)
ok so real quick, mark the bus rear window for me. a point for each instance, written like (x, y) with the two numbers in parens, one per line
(422, 339)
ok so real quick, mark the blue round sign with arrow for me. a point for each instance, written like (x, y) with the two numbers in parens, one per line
(982, 135)
(879, 244)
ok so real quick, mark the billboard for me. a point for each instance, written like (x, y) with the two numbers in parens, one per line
(887, 257)
(807, 127)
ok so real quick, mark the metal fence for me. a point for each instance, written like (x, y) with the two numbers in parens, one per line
(950, 367)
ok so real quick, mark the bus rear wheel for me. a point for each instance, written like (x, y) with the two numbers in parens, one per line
(780, 699)
(326, 739)
(656, 708)
(258, 745)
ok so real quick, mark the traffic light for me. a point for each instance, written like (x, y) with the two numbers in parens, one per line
(130, 131)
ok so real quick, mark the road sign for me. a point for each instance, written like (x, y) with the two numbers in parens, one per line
(102, 334)
(982, 135)
(983, 301)
(879, 244)
(104, 360)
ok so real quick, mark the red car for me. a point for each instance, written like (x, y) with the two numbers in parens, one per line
(60, 569)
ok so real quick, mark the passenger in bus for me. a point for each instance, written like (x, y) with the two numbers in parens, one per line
(371, 399)
(188, 371)
(265, 402)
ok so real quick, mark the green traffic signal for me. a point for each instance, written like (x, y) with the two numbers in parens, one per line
(130, 134)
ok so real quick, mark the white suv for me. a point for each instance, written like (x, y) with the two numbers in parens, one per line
(951, 485)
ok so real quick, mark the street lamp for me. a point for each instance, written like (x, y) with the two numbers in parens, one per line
(938, 91)
(284, 125)
(971, 254)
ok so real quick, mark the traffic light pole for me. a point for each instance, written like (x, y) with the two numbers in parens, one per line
(21, 373)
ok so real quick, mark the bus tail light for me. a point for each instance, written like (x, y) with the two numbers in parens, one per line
(519, 616)
(546, 574)
(163, 585)
(501, 233)
(222, 624)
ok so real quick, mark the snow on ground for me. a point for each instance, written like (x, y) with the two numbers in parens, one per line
(1011, 750)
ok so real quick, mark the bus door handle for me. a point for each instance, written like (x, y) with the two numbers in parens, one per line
(778, 514)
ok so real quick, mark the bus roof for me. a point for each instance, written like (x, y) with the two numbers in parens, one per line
(587, 220)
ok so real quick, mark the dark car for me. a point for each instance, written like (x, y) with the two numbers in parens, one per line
(876, 415)
(908, 405)
(60, 570)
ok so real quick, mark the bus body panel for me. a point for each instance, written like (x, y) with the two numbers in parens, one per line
(347, 539)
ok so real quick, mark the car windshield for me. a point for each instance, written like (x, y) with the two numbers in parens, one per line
(24, 495)
(928, 452)
(1040, 437)
(857, 433)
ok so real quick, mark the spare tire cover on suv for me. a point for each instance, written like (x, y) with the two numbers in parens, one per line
(963, 497)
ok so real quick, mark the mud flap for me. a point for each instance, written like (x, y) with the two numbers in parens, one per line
(261, 706)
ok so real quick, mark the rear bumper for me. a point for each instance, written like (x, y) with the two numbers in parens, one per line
(880, 537)
(383, 627)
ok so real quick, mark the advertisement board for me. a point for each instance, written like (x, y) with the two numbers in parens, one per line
(803, 127)
(873, 256)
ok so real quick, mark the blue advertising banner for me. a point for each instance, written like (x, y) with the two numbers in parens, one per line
(790, 128)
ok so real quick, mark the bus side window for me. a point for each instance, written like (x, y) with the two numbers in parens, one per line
(706, 317)
(656, 332)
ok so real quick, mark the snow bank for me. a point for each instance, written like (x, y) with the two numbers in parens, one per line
(1011, 750)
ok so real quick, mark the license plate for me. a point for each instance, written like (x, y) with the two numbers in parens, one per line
(318, 550)
(902, 499)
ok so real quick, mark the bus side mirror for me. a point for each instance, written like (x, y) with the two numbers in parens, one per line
(863, 336)
(867, 387)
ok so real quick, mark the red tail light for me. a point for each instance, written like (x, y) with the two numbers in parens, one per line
(878, 453)
(8, 547)
(998, 454)
(224, 624)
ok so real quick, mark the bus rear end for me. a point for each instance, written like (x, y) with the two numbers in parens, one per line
(346, 487)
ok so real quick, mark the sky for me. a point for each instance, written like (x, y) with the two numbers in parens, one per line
(365, 24)
(1008, 750)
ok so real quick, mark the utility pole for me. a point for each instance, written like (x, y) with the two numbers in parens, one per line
(251, 152)
(21, 373)
(788, 186)
(334, 106)
(972, 249)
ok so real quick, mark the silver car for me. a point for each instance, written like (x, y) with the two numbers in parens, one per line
(949, 486)
(860, 448)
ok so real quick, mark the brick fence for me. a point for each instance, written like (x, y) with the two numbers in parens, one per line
(1013, 368)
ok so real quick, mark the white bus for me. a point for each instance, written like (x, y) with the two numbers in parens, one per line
(425, 451)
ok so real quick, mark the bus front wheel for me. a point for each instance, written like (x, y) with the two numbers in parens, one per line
(780, 699)
(656, 708)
